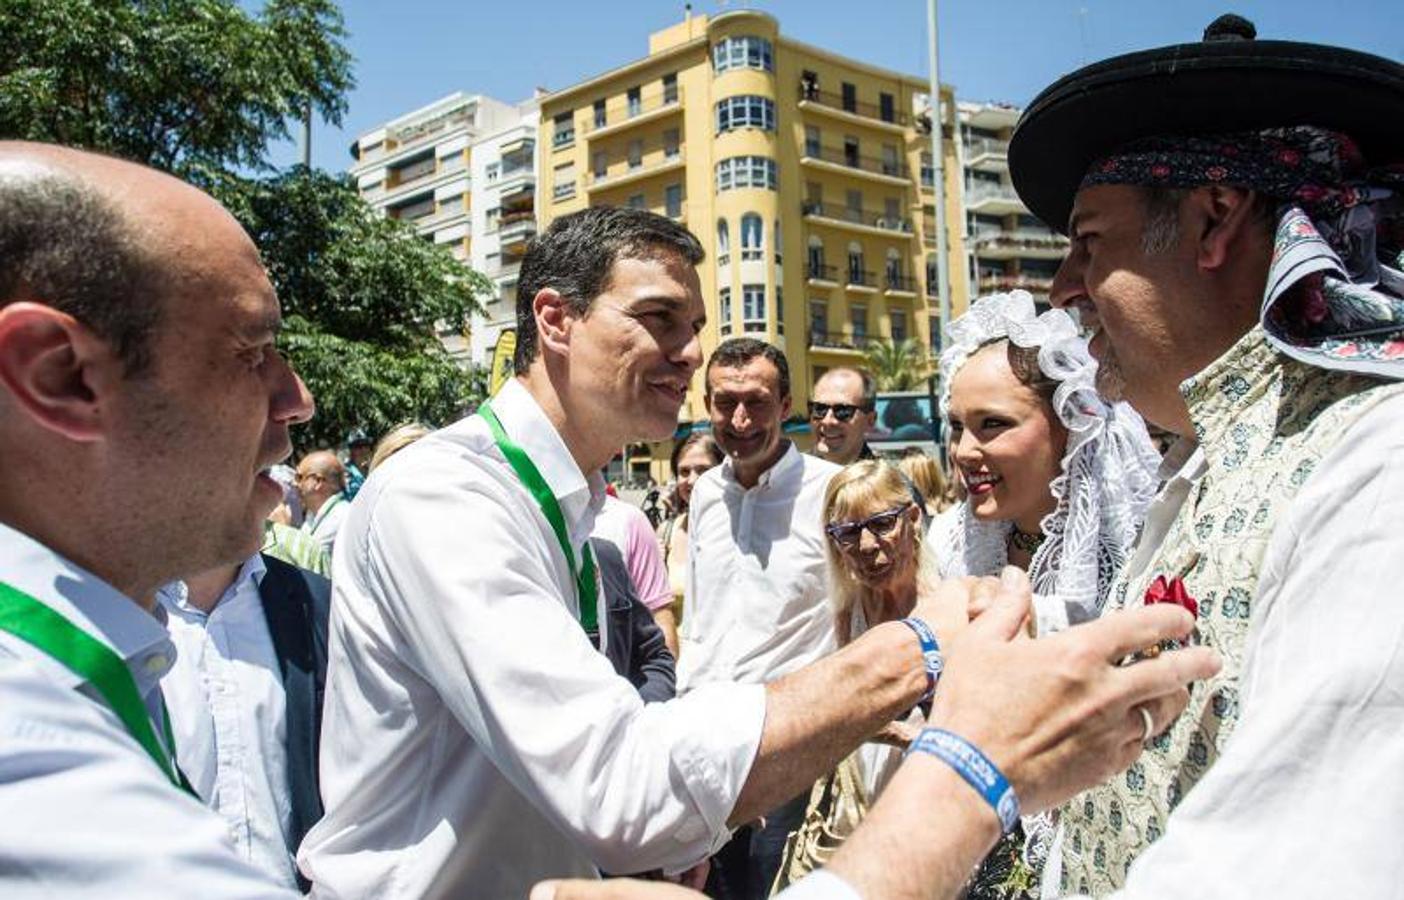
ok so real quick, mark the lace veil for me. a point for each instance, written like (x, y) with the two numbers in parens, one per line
(1108, 473)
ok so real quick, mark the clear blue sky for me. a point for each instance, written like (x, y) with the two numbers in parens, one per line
(410, 52)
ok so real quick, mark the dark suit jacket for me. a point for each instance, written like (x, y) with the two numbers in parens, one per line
(297, 604)
(636, 647)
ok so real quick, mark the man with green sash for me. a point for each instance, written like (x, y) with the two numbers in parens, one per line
(142, 402)
(1236, 209)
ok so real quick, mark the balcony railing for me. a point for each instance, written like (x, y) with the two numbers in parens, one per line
(860, 278)
(985, 147)
(619, 113)
(1030, 283)
(821, 272)
(810, 92)
(1020, 240)
(894, 168)
(835, 340)
(894, 282)
(976, 191)
(856, 216)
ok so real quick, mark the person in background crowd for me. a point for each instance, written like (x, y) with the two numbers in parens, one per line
(290, 511)
(137, 334)
(925, 473)
(321, 483)
(757, 587)
(626, 527)
(395, 440)
(842, 410)
(692, 456)
(295, 547)
(635, 645)
(358, 459)
(245, 700)
(878, 561)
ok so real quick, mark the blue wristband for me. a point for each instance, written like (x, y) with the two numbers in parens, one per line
(930, 654)
(975, 767)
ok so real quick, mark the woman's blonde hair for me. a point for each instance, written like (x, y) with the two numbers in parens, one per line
(866, 486)
(395, 440)
(926, 474)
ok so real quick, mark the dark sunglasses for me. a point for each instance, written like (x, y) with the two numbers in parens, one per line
(882, 525)
(842, 411)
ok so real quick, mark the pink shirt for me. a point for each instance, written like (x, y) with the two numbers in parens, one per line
(625, 526)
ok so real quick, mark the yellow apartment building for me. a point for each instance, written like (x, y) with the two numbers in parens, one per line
(806, 175)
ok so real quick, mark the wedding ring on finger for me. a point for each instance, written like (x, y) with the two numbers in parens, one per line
(1147, 724)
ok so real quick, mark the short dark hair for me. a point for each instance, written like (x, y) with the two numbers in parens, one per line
(736, 352)
(576, 255)
(64, 244)
(701, 439)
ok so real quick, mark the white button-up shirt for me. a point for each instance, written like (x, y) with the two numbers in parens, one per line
(85, 811)
(757, 601)
(470, 726)
(1306, 799)
(227, 707)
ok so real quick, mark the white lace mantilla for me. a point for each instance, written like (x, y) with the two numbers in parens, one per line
(1108, 473)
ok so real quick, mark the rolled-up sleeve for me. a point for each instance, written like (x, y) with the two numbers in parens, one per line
(474, 583)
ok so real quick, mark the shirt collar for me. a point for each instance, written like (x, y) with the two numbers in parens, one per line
(177, 593)
(526, 424)
(90, 603)
(1218, 395)
(788, 463)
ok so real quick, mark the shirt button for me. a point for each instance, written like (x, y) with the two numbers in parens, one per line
(156, 663)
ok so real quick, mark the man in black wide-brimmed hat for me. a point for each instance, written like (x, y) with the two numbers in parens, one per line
(1236, 214)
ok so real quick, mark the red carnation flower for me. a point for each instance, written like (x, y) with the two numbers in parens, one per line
(1288, 157)
(1160, 170)
(1216, 173)
(1109, 165)
(1172, 591)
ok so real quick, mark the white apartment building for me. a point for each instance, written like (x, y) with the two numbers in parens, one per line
(440, 167)
(1008, 247)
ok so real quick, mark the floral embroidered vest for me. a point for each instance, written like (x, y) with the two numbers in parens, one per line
(1263, 422)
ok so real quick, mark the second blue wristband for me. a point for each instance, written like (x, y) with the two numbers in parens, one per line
(930, 653)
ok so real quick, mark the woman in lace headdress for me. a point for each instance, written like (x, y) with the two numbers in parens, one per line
(1057, 482)
(1057, 479)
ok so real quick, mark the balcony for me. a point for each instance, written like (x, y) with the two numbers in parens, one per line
(842, 160)
(822, 275)
(1029, 244)
(515, 229)
(832, 340)
(811, 98)
(894, 283)
(855, 219)
(993, 197)
(987, 153)
(647, 168)
(1031, 283)
(622, 116)
(862, 280)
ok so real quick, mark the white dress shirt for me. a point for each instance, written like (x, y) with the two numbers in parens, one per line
(86, 812)
(325, 523)
(757, 602)
(227, 707)
(470, 726)
(1305, 800)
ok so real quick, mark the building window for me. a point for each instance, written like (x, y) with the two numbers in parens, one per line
(672, 143)
(745, 111)
(564, 130)
(564, 181)
(492, 171)
(858, 318)
(779, 244)
(851, 153)
(891, 165)
(780, 308)
(753, 307)
(933, 274)
(809, 85)
(934, 326)
(928, 171)
(636, 201)
(746, 171)
(853, 206)
(886, 108)
(856, 275)
(600, 164)
(416, 210)
(850, 97)
(818, 323)
(491, 219)
(600, 118)
(670, 88)
(449, 206)
(743, 52)
(672, 201)
(635, 100)
(893, 271)
(816, 258)
(898, 320)
(723, 243)
(811, 141)
(752, 242)
(635, 154)
(724, 310)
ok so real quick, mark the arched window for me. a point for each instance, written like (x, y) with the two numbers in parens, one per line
(893, 270)
(723, 243)
(817, 269)
(856, 275)
(752, 237)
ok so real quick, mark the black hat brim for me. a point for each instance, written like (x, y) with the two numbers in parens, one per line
(1198, 89)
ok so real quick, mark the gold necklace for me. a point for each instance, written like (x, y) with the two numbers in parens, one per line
(1022, 540)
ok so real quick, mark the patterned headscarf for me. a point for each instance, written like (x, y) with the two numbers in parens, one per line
(1335, 287)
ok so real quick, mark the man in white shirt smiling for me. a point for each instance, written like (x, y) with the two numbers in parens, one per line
(757, 597)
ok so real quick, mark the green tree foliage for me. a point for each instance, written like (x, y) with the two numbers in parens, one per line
(201, 88)
(899, 366)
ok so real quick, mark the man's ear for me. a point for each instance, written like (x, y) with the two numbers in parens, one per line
(786, 403)
(1224, 217)
(55, 369)
(553, 320)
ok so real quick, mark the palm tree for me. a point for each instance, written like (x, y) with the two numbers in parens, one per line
(897, 366)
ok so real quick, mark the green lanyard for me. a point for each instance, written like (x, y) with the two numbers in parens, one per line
(531, 479)
(29, 620)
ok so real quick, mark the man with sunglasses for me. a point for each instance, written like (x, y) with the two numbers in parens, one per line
(841, 413)
(757, 586)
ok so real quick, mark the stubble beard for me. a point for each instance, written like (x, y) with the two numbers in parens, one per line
(1111, 381)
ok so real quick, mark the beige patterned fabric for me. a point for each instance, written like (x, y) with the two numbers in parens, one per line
(1263, 422)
